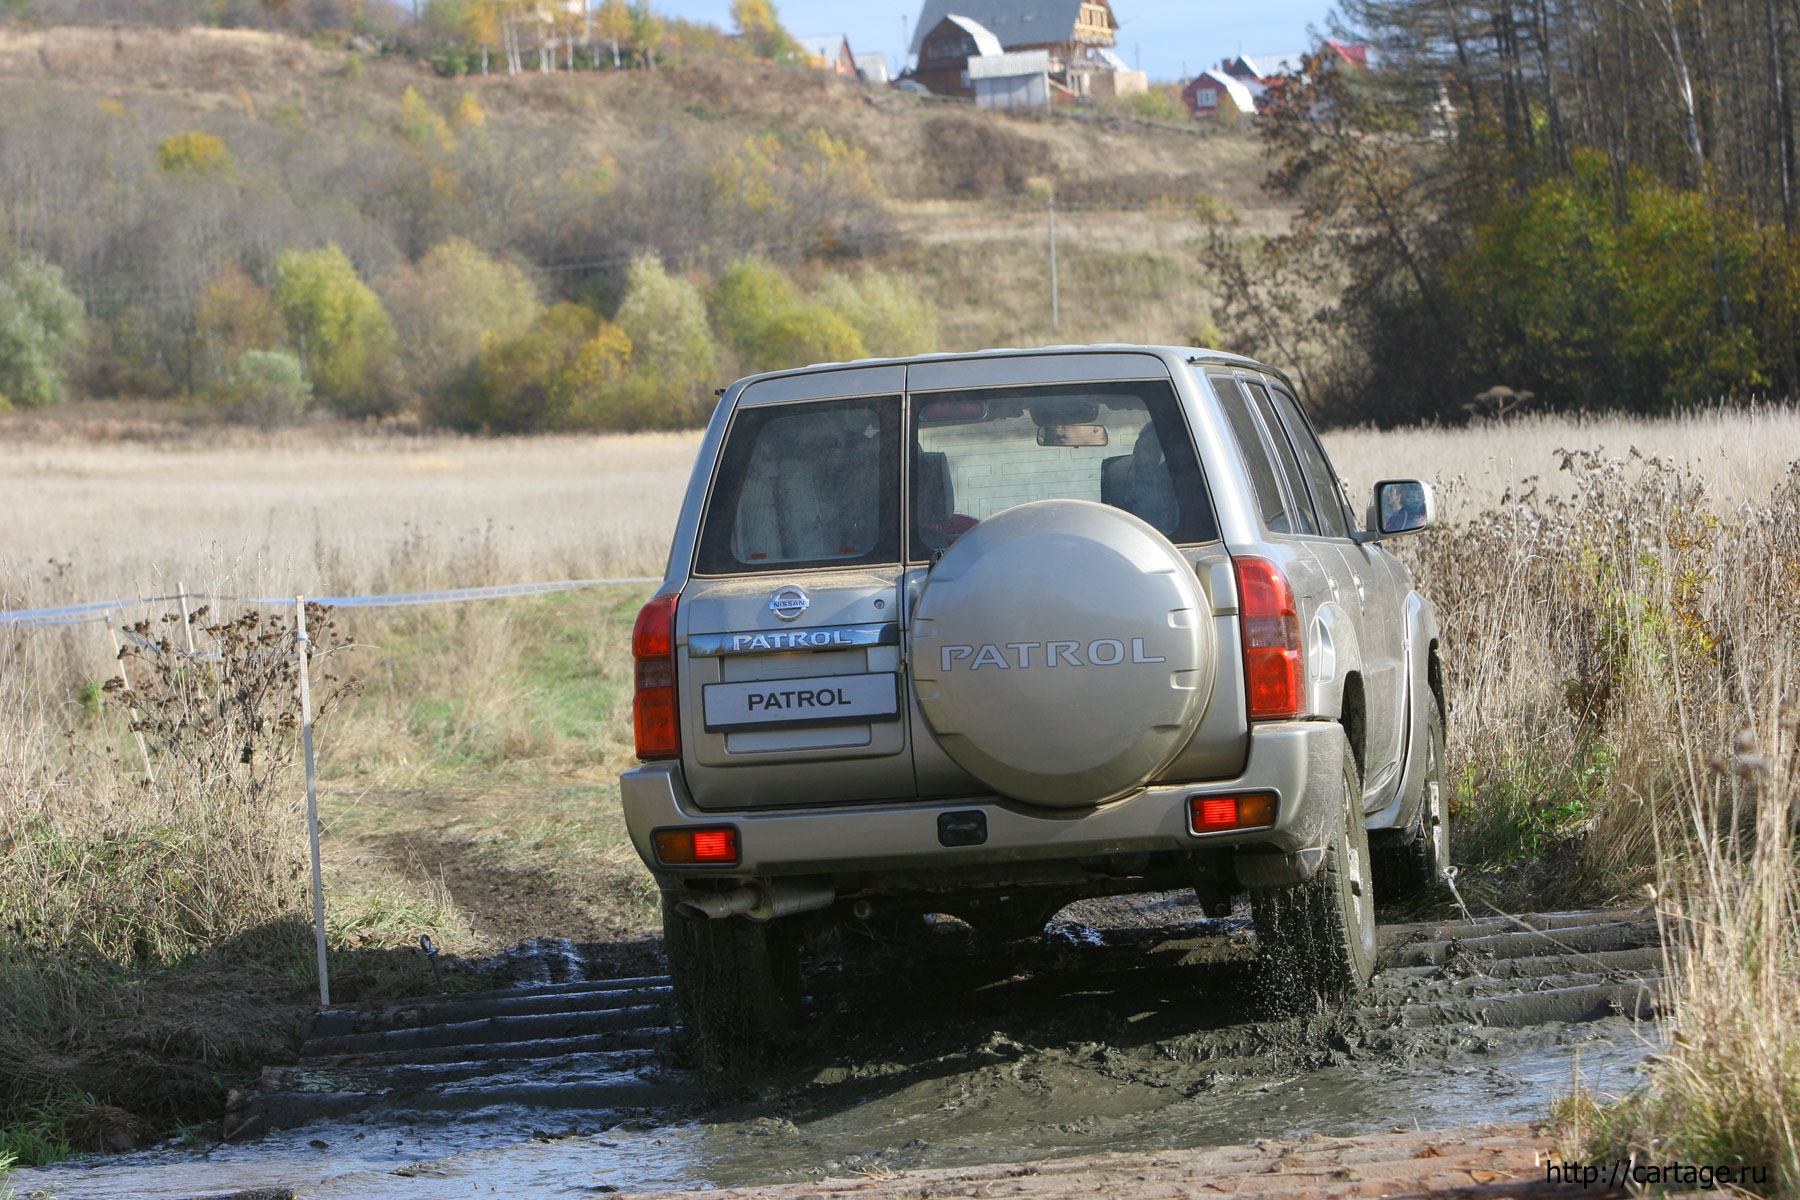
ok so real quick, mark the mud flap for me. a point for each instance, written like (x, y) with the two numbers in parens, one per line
(1278, 870)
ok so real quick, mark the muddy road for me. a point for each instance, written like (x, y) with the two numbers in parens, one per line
(1131, 1026)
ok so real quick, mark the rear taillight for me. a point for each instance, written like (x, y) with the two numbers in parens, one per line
(1219, 814)
(654, 710)
(697, 847)
(1273, 667)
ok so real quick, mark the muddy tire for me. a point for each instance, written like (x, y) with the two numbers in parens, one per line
(737, 987)
(1316, 940)
(1418, 865)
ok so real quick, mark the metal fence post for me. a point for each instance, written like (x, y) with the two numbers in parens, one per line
(303, 647)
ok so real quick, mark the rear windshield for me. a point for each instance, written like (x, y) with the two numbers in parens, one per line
(817, 484)
(976, 453)
(806, 485)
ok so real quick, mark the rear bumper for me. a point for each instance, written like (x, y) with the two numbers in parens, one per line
(1301, 761)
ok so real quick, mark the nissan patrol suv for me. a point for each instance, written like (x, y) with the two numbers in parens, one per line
(983, 634)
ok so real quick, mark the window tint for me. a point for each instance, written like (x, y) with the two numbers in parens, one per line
(806, 485)
(1327, 493)
(1304, 521)
(976, 453)
(1256, 455)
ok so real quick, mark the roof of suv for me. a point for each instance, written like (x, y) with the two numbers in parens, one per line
(1190, 353)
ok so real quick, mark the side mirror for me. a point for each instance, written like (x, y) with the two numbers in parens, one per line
(1402, 506)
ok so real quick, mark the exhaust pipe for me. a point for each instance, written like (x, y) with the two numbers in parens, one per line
(762, 900)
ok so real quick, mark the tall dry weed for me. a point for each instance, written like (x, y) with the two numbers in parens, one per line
(1592, 632)
(1725, 1091)
(112, 863)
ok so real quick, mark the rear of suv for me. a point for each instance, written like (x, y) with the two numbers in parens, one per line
(984, 634)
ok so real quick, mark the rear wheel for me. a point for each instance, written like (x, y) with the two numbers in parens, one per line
(1419, 864)
(1316, 940)
(737, 986)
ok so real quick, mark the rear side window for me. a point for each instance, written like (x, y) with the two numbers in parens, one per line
(1256, 454)
(1285, 459)
(976, 453)
(1333, 513)
(806, 485)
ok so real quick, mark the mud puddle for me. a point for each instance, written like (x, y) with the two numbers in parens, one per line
(1128, 1027)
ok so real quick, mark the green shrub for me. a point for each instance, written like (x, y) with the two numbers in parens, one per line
(1591, 289)
(269, 388)
(346, 341)
(449, 305)
(890, 314)
(749, 292)
(808, 333)
(665, 318)
(1157, 104)
(41, 325)
(560, 374)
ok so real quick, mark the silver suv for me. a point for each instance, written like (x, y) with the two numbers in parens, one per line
(982, 634)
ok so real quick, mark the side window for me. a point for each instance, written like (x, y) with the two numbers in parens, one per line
(1304, 521)
(1256, 455)
(1326, 490)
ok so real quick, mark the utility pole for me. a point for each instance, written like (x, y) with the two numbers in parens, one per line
(1055, 297)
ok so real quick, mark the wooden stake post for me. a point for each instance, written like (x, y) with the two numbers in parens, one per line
(130, 704)
(303, 646)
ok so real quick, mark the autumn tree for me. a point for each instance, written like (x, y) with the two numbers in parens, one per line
(665, 317)
(233, 316)
(646, 32)
(559, 374)
(452, 303)
(760, 26)
(345, 339)
(890, 314)
(613, 24)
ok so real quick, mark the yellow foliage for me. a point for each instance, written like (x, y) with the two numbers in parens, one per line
(746, 175)
(835, 160)
(110, 107)
(421, 123)
(600, 364)
(194, 153)
(469, 114)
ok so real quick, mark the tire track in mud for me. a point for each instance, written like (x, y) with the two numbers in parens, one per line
(1143, 993)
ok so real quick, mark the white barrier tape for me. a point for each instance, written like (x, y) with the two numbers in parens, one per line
(80, 612)
(77, 614)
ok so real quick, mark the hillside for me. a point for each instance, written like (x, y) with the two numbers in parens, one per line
(571, 175)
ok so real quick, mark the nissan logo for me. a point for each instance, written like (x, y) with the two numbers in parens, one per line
(789, 603)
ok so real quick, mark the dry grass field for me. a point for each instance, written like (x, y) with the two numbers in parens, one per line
(1620, 652)
(303, 512)
(330, 516)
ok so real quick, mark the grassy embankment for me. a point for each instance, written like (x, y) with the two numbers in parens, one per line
(1613, 630)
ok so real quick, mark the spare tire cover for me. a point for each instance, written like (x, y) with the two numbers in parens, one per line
(1062, 652)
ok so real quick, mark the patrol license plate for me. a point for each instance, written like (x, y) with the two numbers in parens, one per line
(791, 703)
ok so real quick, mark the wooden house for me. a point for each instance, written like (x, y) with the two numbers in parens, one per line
(1217, 93)
(1078, 36)
(945, 50)
(830, 52)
